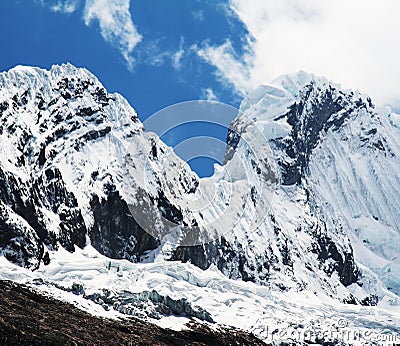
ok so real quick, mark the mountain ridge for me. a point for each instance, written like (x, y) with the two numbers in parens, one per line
(75, 183)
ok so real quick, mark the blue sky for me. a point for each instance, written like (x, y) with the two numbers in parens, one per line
(160, 52)
(35, 35)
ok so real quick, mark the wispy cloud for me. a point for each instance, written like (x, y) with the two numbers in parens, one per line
(198, 15)
(116, 25)
(151, 53)
(208, 94)
(178, 55)
(113, 17)
(352, 42)
(62, 6)
(231, 69)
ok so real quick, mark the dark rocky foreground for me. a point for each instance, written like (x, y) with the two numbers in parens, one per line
(29, 318)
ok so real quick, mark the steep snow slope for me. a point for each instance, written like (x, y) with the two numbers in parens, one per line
(343, 153)
(355, 174)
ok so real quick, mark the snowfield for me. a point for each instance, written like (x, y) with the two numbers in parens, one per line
(270, 315)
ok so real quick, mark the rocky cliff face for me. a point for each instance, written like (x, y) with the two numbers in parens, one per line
(64, 142)
(75, 160)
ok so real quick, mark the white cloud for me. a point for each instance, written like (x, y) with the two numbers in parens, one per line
(198, 15)
(178, 55)
(114, 19)
(116, 25)
(62, 6)
(177, 59)
(151, 54)
(209, 95)
(230, 68)
(352, 42)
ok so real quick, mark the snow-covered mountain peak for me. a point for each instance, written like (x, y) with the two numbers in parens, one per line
(64, 141)
(343, 151)
(53, 76)
(294, 83)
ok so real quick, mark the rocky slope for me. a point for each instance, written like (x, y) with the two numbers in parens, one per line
(31, 318)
